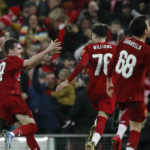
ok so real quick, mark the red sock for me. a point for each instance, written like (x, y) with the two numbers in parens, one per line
(25, 130)
(133, 139)
(100, 125)
(125, 119)
(32, 142)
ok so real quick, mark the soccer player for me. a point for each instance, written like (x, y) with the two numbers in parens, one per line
(13, 108)
(97, 57)
(129, 64)
(124, 121)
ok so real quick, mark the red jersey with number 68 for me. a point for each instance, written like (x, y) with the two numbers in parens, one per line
(130, 63)
(10, 75)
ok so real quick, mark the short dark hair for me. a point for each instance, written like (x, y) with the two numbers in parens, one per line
(100, 29)
(10, 44)
(138, 25)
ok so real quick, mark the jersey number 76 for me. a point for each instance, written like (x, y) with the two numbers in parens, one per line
(102, 59)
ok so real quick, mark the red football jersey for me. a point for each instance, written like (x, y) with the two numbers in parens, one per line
(10, 75)
(97, 57)
(131, 61)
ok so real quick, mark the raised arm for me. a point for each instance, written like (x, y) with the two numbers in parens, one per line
(53, 48)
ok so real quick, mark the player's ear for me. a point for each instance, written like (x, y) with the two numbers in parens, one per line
(10, 51)
(146, 32)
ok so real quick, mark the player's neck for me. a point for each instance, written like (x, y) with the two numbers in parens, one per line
(101, 40)
(142, 39)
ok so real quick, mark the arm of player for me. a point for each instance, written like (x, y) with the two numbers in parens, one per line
(53, 48)
(109, 87)
(80, 66)
(76, 71)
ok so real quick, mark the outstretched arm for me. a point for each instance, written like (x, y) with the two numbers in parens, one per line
(76, 71)
(80, 66)
(53, 48)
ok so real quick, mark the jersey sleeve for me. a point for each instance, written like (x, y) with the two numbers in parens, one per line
(16, 64)
(81, 65)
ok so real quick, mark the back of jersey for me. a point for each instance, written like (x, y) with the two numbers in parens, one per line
(130, 69)
(99, 57)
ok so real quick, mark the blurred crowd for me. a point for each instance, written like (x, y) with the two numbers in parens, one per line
(35, 23)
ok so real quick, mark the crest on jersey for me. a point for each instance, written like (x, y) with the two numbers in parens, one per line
(83, 51)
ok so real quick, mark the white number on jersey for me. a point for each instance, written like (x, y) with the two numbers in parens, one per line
(2, 68)
(102, 59)
(126, 64)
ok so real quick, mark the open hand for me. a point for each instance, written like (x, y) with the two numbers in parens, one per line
(62, 85)
(109, 88)
(54, 47)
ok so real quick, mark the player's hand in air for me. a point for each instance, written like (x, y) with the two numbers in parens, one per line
(62, 85)
(54, 47)
(109, 88)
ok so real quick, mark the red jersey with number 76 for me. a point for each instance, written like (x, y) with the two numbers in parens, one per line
(97, 57)
(130, 63)
(10, 75)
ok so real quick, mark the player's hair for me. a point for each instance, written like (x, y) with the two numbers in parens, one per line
(100, 30)
(138, 25)
(10, 44)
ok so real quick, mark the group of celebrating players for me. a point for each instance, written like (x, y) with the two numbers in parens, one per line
(116, 74)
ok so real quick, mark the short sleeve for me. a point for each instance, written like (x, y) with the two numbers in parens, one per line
(84, 56)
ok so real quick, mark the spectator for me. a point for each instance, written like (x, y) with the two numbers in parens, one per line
(29, 8)
(82, 113)
(31, 35)
(6, 28)
(66, 97)
(53, 4)
(142, 8)
(125, 16)
(116, 32)
(75, 35)
(58, 21)
(91, 12)
(68, 62)
(43, 105)
(77, 53)
(3, 6)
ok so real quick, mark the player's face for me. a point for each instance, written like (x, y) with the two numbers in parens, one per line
(17, 51)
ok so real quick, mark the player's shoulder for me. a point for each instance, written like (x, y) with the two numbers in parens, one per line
(146, 49)
(88, 46)
(123, 39)
(12, 58)
(4, 59)
(106, 45)
(112, 45)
